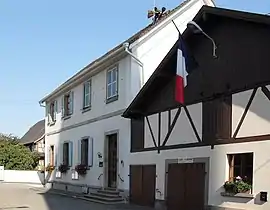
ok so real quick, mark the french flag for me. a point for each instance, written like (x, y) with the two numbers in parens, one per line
(181, 71)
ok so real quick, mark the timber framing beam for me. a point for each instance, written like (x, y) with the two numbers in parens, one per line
(245, 112)
(151, 132)
(192, 124)
(171, 126)
(266, 92)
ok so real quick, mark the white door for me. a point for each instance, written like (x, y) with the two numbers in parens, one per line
(2, 173)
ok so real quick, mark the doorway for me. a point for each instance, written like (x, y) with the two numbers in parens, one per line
(112, 160)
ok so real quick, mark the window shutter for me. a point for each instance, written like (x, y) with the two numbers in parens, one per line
(48, 155)
(79, 158)
(55, 158)
(70, 155)
(90, 152)
(60, 153)
(55, 109)
(116, 75)
(63, 106)
(71, 102)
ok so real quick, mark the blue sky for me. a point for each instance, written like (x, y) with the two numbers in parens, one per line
(43, 43)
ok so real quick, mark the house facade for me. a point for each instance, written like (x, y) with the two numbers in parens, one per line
(34, 139)
(83, 124)
(182, 155)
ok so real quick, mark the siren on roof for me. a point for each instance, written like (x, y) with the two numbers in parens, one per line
(156, 14)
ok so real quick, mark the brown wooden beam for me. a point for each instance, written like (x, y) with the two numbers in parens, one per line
(171, 127)
(245, 113)
(192, 124)
(151, 131)
(159, 130)
(266, 92)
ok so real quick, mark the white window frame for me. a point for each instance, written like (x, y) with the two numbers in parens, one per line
(89, 85)
(110, 71)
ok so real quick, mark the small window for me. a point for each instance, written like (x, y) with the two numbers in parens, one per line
(52, 112)
(84, 151)
(241, 165)
(112, 83)
(87, 95)
(66, 154)
(67, 104)
(51, 158)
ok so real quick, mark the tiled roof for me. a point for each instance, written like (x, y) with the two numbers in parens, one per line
(34, 133)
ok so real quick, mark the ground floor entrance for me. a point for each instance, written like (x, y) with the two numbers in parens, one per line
(186, 186)
(111, 165)
(142, 184)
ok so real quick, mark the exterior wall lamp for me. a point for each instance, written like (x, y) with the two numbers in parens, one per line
(197, 29)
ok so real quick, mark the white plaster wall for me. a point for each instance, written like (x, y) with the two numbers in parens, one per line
(97, 131)
(219, 170)
(98, 103)
(151, 51)
(182, 132)
(257, 120)
(17, 176)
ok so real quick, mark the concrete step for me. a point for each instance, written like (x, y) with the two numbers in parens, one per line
(105, 199)
(102, 194)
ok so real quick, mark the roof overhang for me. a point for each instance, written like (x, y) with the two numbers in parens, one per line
(93, 68)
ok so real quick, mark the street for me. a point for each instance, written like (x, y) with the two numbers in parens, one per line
(18, 196)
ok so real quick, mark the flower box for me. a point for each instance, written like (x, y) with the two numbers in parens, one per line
(81, 169)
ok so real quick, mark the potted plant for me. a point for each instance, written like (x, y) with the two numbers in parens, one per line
(81, 169)
(238, 185)
(50, 168)
(63, 168)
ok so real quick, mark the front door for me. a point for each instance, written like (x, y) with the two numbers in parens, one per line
(112, 161)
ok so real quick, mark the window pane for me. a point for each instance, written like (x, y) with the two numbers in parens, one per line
(237, 160)
(114, 78)
(114, 91)
(109, 91)
(109, 77)
(86, 88)
(86, 101)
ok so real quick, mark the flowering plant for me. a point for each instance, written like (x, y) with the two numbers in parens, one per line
(81, 169)
(63, 168)
(50, 168)
(238, 185)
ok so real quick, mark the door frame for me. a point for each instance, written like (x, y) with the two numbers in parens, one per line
(105, 160)
(205, 160)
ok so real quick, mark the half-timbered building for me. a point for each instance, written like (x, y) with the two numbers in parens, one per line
(183, 154)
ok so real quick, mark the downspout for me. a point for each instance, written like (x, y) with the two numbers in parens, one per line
(44, 177)
(126, 45)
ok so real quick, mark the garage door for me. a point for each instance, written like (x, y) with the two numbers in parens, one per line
(185, 188)
(142, 184)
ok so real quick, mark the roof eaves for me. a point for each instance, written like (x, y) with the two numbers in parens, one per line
(131, 40)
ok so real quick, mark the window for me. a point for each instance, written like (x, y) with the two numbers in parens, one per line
(86, 94)
(66, 154)
(52, 111)
(112, 83)
(67, 104)
(84, 151)
(241, 165)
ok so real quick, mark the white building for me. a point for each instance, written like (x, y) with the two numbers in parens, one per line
(185, 154)
(83, 117)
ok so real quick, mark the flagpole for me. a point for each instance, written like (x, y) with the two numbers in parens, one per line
(176, 27)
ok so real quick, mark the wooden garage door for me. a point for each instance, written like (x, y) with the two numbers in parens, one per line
(142, 184)
(185, 188)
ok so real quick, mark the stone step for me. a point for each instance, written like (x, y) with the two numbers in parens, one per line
(102, 194)
(106, 191)
(105, 199)
(102, 202)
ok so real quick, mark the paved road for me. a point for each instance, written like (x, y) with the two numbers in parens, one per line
(17, 196)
